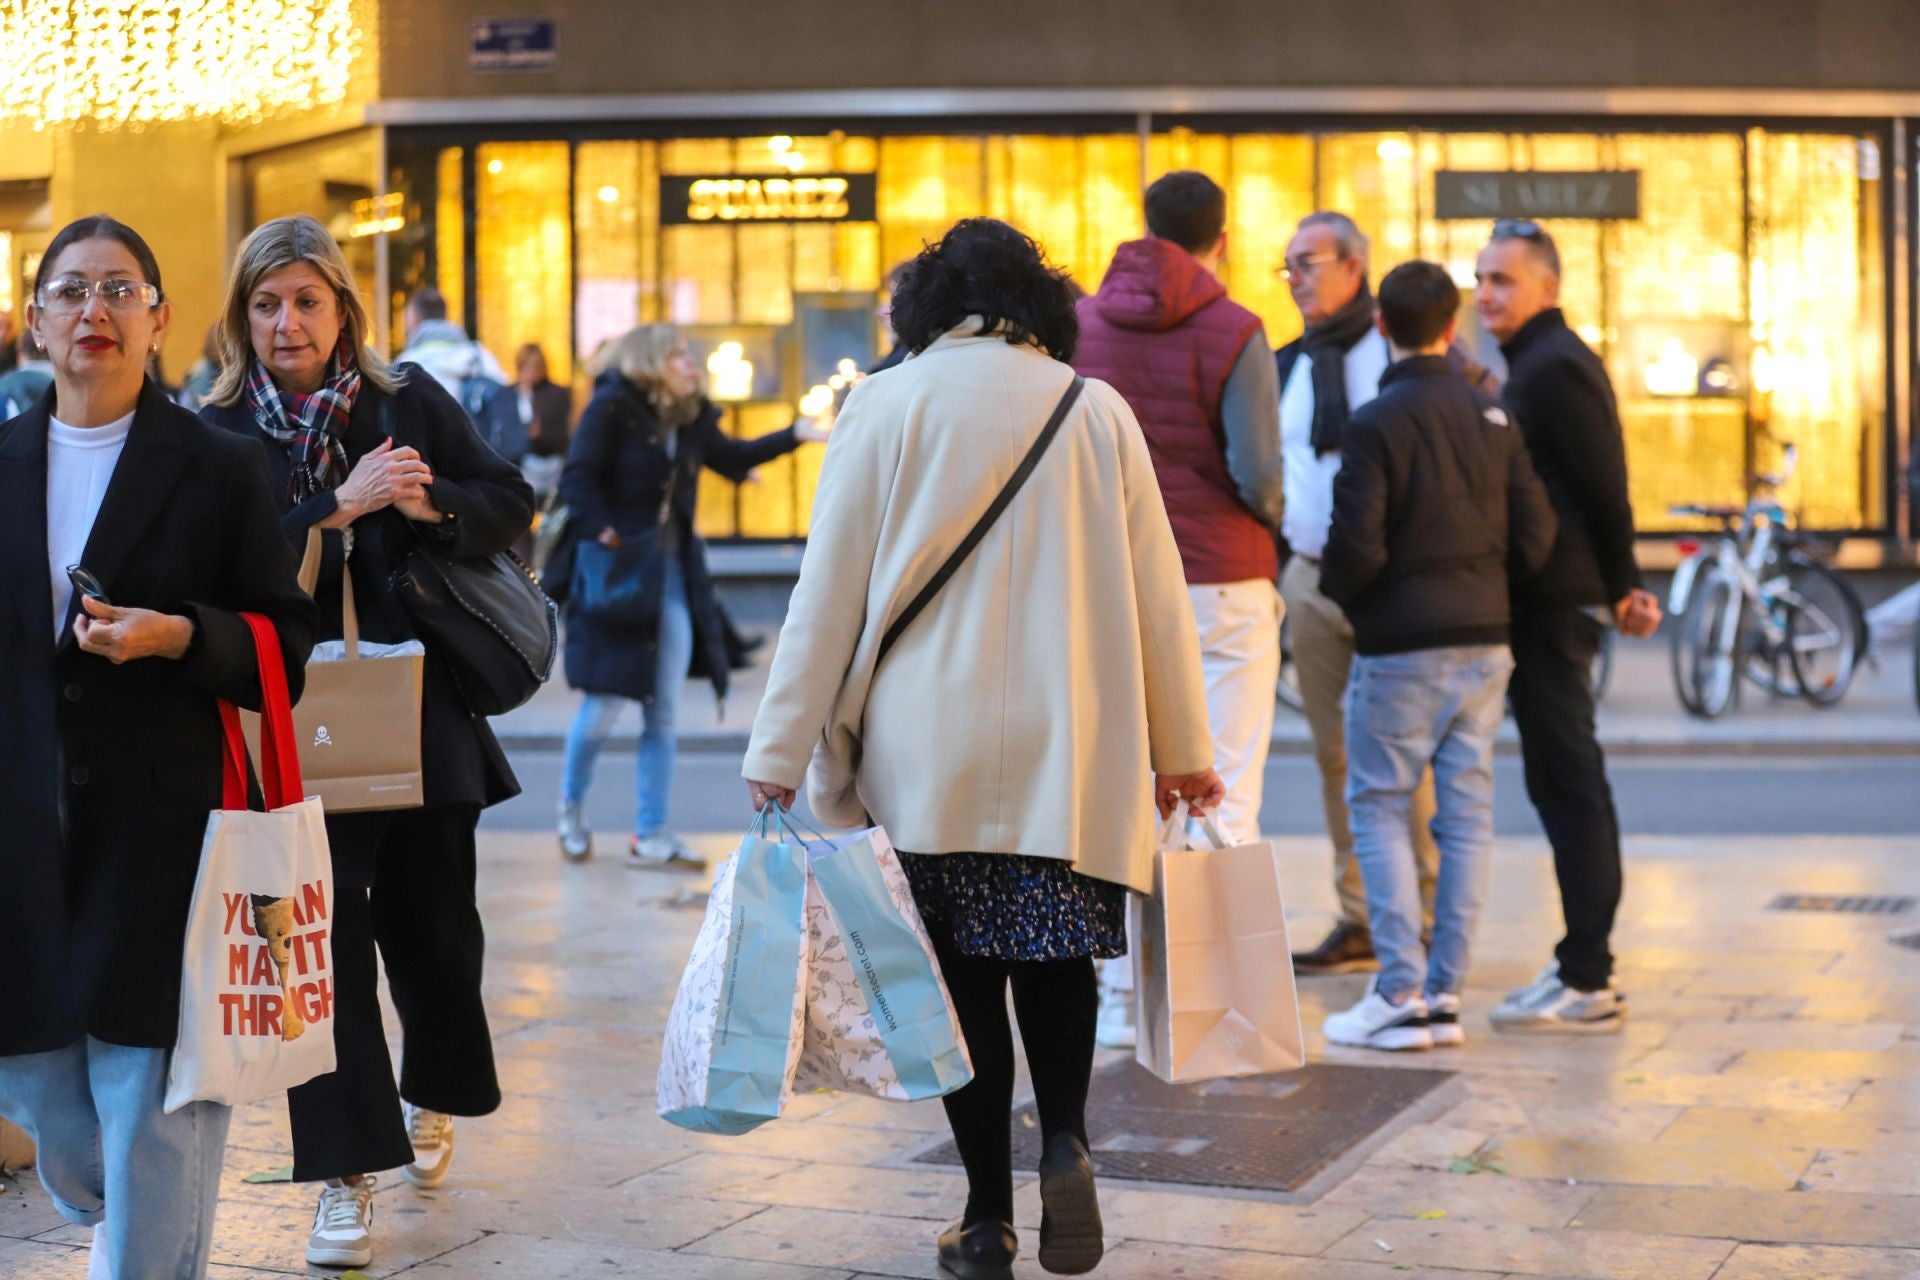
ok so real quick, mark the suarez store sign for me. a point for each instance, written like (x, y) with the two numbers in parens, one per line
(1734, 277)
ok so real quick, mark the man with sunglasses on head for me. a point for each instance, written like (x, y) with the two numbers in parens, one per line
(1559, 391)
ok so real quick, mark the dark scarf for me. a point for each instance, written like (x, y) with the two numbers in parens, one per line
(310, 425)
(1327, 344)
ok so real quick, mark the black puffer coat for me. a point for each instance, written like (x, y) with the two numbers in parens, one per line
(618, 474)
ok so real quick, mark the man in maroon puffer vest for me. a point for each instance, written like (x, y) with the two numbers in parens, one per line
(1199, 375)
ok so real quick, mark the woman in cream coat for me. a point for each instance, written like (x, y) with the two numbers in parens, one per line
(1013, 736)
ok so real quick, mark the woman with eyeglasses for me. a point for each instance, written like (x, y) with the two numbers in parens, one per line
(132, 535)
(380, 459)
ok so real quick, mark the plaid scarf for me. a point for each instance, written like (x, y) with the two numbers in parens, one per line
(310, 424)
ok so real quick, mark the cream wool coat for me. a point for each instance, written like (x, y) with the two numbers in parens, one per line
(1026, 709)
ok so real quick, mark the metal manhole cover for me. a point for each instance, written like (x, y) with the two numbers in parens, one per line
(1263, 1133)
(1849, 904)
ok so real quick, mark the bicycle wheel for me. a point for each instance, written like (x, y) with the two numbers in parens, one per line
(1704, 672)
(1826, 627)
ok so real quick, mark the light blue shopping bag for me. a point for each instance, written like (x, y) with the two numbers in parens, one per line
(879, 1020)
(734, 1035)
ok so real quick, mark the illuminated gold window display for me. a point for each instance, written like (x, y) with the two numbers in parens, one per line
(1742, 308)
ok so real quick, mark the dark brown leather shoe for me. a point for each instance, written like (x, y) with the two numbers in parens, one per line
(1071, 1237)
(1348, 949)
(983, 1251)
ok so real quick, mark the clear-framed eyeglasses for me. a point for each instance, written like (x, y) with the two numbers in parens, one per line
(1305, 265)
(70, 293)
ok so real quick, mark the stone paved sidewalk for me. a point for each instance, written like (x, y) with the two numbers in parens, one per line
(1758, 1119)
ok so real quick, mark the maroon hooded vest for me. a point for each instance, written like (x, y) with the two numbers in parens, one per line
(1163, 333)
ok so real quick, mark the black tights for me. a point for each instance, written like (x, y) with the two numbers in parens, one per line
(1055, 1001)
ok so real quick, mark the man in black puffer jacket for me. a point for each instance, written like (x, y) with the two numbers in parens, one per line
(1436, 510)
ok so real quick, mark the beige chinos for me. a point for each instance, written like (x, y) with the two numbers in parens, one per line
(1322, 642)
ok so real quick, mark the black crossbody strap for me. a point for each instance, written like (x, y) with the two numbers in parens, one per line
(979, 530)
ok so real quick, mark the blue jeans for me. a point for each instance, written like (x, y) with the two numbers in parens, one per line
(111, 1159)
(599, 711)
(1406, 711)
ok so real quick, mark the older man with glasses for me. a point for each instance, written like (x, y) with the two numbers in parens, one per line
(1325, 374)
(1558, 389)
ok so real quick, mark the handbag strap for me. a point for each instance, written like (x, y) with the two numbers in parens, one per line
(280, 783)
(979, 530)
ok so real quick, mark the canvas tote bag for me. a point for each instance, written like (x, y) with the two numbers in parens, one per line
(257, 987)
(358, 722)
(1213, 974)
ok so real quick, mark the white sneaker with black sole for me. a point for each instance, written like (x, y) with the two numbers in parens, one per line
(1379, 1023)
(1443, 1020)
(1550, 1006)
(431, 1133)
(343, 1225)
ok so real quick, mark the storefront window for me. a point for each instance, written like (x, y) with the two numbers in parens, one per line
(331, 180)
(524, 253)
(1742, 308)
(450, 237)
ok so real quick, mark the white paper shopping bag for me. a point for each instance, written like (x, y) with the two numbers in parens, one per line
(1213, 973)
(256, 990)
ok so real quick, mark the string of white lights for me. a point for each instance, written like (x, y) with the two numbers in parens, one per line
(122, 63)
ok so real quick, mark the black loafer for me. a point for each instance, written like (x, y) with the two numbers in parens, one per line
(1071, 1238)
(983, 1251)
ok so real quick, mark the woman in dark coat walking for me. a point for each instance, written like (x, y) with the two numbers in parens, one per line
(380, 460)
(632, 477)
(114, 744)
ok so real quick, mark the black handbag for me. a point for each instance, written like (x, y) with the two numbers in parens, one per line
(485, 616)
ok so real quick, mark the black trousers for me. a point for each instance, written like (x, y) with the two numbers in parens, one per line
(1552, 697)
(404, 882)
(1056, 1002)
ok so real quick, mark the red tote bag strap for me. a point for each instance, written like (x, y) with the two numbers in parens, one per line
(280, 783)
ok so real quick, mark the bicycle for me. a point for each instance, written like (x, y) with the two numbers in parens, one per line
(1756, 603)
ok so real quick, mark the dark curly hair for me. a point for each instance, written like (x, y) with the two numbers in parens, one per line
(983, 267)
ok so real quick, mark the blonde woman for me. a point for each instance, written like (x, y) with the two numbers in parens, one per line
(380, 460)
(632, 475)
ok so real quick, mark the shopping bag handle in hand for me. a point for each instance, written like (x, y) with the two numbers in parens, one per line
(280, 783)
(1196, 824)
(781, 818)
(310, 582)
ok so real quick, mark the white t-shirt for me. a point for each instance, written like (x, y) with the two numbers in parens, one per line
(80, 462)
(1309, 477)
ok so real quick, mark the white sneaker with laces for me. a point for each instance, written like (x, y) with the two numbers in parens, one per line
(1379, 1023)
(666, 851)
(1443, 1019)
(343, 1224)
(1550, 1005)
(576, 842)
(1114, 1028)
(431, 1133)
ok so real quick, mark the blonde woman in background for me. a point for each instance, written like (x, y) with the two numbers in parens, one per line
(631, 480)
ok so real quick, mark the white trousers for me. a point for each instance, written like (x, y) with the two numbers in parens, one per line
(1240, 657)
(1239, 626)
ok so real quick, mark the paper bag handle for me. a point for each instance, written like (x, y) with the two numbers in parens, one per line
(1186, 819)
(280, 783)
(310, 579)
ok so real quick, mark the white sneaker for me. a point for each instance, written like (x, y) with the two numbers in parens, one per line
(1443, 1020)
(576, 842)
(343, 1225)
(1378, 1023)
(1114, 1029)
(664, 851)
(1550, 1005)
(431, 1133)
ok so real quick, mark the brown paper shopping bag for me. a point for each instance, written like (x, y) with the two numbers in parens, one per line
(358, 722)
(1213, 975)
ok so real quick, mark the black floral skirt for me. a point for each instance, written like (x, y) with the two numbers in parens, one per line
(1013, 907)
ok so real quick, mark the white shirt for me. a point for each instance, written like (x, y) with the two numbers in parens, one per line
(1309, 477)
(80, 462)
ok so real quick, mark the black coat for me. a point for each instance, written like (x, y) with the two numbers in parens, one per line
(1559, 390)
(617, 477)
(111, 770)
(1435, 508)
(491, 505)
(544, 437)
